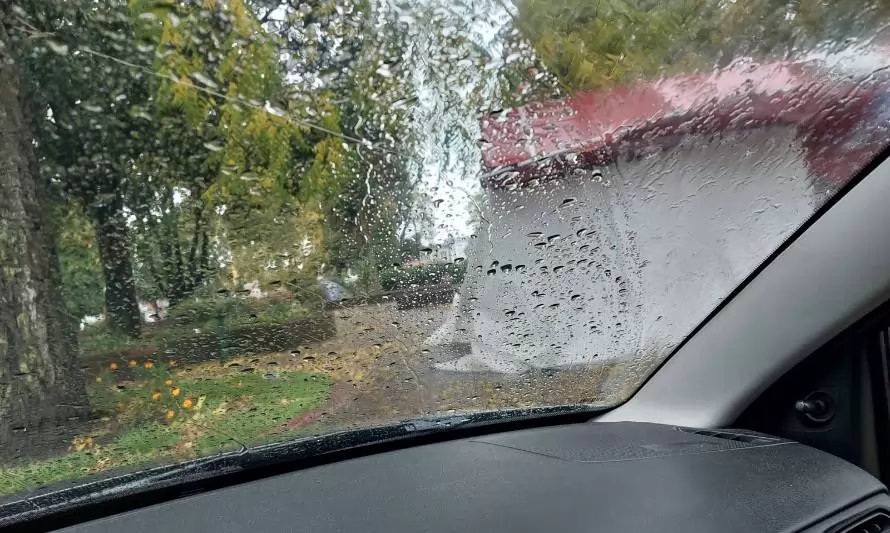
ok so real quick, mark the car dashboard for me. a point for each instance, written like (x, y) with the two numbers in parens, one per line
(602, 477)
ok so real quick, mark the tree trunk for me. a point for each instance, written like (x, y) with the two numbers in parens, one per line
(183, 275)
(121, 304)
(41, 384)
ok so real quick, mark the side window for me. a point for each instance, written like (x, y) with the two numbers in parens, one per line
(838, 399)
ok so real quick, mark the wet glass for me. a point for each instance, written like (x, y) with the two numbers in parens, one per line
(230, 222)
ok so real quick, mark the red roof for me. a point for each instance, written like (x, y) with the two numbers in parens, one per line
(538, 140)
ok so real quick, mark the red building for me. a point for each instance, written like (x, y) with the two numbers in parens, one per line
(618, 219)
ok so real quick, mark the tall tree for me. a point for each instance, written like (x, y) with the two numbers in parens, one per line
(594, 43)
(87, 91)
(361, 54)
(41, 384)
(588, 44)
(80, 263)
(234, 148)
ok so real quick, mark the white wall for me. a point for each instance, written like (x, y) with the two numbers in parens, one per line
(645, 251)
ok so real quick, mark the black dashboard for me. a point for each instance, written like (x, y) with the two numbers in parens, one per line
(590, 477)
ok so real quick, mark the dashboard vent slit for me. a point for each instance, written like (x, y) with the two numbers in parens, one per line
(738, 436)
(874, 522)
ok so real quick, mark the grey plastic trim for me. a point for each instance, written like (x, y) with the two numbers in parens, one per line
(831, 275)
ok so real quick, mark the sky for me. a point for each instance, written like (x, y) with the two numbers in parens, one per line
(449, 158)
(451, 170)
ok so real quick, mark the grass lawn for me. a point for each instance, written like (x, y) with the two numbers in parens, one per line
(166, 422)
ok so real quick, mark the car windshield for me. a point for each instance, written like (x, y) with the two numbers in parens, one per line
(230, 222)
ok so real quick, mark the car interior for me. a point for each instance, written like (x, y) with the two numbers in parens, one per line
(247, 214)
(773, 415)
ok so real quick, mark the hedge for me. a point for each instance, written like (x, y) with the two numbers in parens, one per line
(220, 343)
(233, 310)
(401, 278)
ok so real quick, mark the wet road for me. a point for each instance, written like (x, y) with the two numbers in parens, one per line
(384, 368)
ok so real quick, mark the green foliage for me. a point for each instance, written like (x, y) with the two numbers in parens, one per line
(208, 312)
(198, 311)
(147, 440)
(240, 150)
(248, 408)
(781, 28)
(85, 93)
(588, 44)
(229, 317)
(366, 191)
(175, 113)
(595, 43)
(273, 400)
(233, 154)
(37, 473)
(80, 266)
(424, 275)
(99, 338)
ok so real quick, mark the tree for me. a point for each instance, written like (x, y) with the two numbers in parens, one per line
(88, 93)
(588, 44)
(234, 148)
(41, 384)
(781, 28)
(81, 267)
(352, 59)
(161, 121)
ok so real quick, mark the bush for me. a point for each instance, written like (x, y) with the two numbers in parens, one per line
(99, 338)
(198, 330)
(246, 339)
(402, 278)
(198, 311)
(235, 311)
(280, 312)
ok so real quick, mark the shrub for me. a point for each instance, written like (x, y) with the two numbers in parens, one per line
(401, 278)
(208, 313)
(99, 338)
(198, 311)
